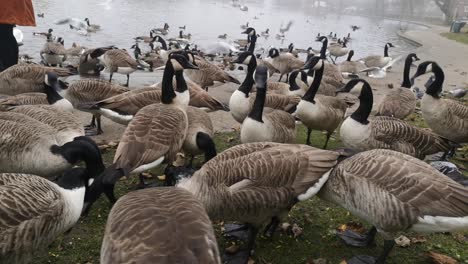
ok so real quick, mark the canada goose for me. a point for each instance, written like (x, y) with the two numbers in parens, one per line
(251, 39)
(400, 102)
(40, 15)
(35, 211)
(354, 27)
(209, 73)
(199, 138)
(165, 125)
(89, 62)
(162, 31)
(49, 97)
(47, 34)
(240, 103)
(395, 192)
(91, 27)
(351, 68)
(26, 78)
(194, 241)
(79, 24)
(276, 126)
(245, 26)
(87, 91)
(447, 118)
(266, 33)
(223, 36)
(68, 126)
(338, 51)
(146, 39)
(117, 60)
(284, 62)
(184, 36)
(320, 112)
(297, 84)
(332, 74)
(379, 61)
(264, 181)
(360, 133)
(35, 148)
(54, 53)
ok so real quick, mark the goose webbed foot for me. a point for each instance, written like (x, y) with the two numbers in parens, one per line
(93, 132)
(92, 124)
(128, 80)
(362, 259)
(351, 238)
(236, 231)
(270, 229)
(308, 137)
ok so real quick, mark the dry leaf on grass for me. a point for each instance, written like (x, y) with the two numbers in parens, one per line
(297, 231)
(402, 241)
(441, 259)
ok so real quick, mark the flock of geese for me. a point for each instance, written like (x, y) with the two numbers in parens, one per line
(380, 177)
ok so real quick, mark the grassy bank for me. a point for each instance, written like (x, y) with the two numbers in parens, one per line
(458, 37)
(318, 219)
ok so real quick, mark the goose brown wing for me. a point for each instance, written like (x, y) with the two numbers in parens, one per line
(131, 102)
(156, 131)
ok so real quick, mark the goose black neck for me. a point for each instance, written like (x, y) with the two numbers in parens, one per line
(310, 94)
(163, 43)
(406, 73)
(248, 82)
(386, 51)
(350, 56)
(253, 41)
(366, 100)
(436, 87)
(323, 51)
(259, 103)
(167, 91)
(292, 82)
(52, 95)
(207, 145)
(181, 85)
(82, 149)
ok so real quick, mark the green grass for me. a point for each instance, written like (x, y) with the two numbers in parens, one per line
(318, 219)
(458, 37)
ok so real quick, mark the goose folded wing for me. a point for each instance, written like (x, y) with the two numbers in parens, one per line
(130, 103)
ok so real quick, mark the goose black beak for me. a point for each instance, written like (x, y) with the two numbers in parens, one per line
(189, 65)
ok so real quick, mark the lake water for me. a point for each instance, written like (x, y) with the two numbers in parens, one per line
(121, 20)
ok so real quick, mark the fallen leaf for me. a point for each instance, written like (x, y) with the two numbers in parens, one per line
(162, 177)
(147, 175)
(285, 227)
(441, 259)
(353, 226)
(402, 241)
(230, 139)
(418, 239)
(297, 231)
(232, 249)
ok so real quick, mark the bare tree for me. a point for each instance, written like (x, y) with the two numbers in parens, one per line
(447, 7)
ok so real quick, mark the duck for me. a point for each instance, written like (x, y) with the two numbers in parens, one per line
(50, 96)
(377, 60)
(118, 60)
(223, 36)
(349, 68)
(35, 211)
(318, 111)
(407, 194)
(33, 148)
(360, 133)
(400, 102)
(54, 53)
(194, 241)
(199, 137)
(275, 126)
(265, 180)
(240, 103)
(27, 78)
(447, 118)
(166, 125)
(67, 126)
(284, 62)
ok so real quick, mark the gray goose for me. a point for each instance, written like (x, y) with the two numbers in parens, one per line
(200, 132)
(360, 133)
(447, 118)
(49, 97)
(400, 102)
(209, 74)
(119, 61)
(255, 183)
(35, 211)
(54, 53)
(27, 78)
(275, 126)
(395, 192)
(155, 134)
(159, 210)
(319, 111)
(87, 91)
(240, 103)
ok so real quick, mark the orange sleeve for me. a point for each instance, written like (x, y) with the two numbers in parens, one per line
(17, 12)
